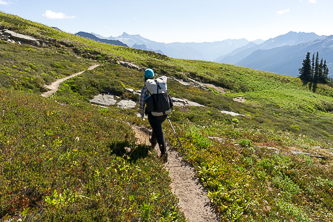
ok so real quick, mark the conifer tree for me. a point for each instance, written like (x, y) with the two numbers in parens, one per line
(313, 67)
(313, 70)
(316, 74)
(305, 71)
(320, 72)
(326, 71)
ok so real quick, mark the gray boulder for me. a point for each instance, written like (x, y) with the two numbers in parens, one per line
(104, 100)
(126, 104)
(21, 38)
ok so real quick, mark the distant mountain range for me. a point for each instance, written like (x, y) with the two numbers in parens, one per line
(144, 47)
(98, 39)
(289, 39)
(288, 59)
(197, 51)
(282, 55)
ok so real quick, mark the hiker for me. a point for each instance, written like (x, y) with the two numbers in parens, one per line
(149, 97)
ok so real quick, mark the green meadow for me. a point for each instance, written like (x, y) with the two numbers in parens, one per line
(63, 159)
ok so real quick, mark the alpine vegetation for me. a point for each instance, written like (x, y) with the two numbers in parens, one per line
(63, 158)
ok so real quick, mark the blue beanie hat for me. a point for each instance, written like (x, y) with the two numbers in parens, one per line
(149, 73)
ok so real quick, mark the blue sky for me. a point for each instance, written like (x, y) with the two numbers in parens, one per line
(180, 20)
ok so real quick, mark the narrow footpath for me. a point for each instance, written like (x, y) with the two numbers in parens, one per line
(55, 85)
(193, 199)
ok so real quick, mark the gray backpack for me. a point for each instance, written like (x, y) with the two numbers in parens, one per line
(159, 102)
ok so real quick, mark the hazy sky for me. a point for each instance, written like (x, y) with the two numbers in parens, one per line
(180, 20)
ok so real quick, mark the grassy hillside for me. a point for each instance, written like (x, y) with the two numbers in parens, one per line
(63, 145)
(65, 163)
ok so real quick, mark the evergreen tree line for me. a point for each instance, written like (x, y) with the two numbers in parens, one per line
(313, 70)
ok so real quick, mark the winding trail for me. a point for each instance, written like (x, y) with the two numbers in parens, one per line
(193, 199)
(55, 85)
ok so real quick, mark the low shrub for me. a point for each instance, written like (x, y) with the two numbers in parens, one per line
(63, 163)
(245, 142)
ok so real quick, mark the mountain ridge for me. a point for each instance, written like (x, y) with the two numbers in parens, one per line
(95, 38)
(290, 38)
(234, 51)
(288, 59)
(207, 51)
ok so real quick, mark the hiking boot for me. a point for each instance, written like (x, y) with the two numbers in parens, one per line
(164, 157)
(152, 143)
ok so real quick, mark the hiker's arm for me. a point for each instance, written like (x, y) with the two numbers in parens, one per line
(142, 102)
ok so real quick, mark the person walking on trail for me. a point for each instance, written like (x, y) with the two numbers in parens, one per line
(155, 96)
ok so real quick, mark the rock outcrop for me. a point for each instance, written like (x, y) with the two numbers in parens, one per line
(194, 83)
(11, 36)
(126, 104)
(104, 100)
(232, 113)
(130, 65)
(184, 102)
(109, 100)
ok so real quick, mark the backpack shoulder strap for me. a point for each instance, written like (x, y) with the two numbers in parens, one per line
(158, 85)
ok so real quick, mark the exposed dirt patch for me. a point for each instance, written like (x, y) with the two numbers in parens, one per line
(217, 88)
(239, 99)
(184, 109)
(141, 135)
(193, 199)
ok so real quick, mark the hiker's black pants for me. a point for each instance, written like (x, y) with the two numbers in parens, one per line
(156, 125)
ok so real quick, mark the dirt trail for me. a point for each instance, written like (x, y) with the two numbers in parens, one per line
(55, 85)
(193, 199)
